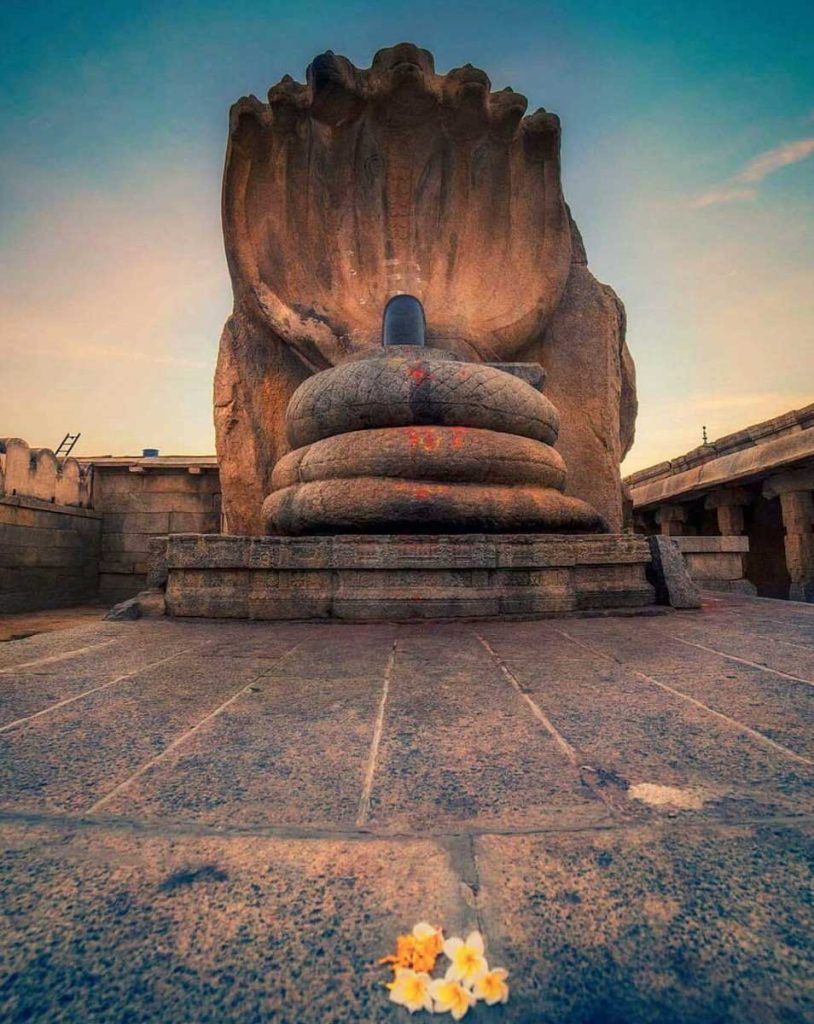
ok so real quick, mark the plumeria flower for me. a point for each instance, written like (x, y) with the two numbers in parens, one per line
(467, 958)
(491, 986)
(411, 989)
(418, 950)
(449, 994)
(429, 942)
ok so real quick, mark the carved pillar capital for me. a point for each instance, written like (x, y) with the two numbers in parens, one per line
(671, 519)
(792, 480)
(728, 497)
(728, 503)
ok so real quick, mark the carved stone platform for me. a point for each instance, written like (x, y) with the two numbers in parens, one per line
(397, 578)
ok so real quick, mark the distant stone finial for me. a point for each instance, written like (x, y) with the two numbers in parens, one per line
(704, 435)
(404, 322)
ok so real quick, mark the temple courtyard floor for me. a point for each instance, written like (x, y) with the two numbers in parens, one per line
(216, 822)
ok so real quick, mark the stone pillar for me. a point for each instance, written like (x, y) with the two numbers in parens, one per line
(643, 522)
(797, 502)
(728, 504)
(798, 520)
(671, 520)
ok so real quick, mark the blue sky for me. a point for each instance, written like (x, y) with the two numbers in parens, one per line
(688, 161)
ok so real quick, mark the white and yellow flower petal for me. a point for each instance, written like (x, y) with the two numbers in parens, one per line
(411, 989)
(491, 986)
(423, 930)
(466, 958)
(450, 996)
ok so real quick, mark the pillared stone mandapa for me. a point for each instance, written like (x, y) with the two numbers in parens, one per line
(363, 183)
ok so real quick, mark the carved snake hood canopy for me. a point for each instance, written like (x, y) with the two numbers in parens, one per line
(366, 183)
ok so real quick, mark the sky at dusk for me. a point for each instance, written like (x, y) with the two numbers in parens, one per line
(688, 162)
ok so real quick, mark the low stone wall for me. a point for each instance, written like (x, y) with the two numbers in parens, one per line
(717, 563)
(138, 504)
(49, 554)
(38, 473)
(374, 578)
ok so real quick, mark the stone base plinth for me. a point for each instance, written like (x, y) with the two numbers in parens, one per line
(396, 578)
(717, 563)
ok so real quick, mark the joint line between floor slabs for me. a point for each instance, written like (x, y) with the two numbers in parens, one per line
(536, 710)
(96, 689)
(186, 828)
(378, 728)
(788, 643)
(764, 636)
(744, 661)
(10, 669)
(186, 735)
(732, 722)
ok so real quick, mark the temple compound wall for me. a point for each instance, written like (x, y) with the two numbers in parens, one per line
(142, 498)
(77, 531)
(49, 542)
(741, 508)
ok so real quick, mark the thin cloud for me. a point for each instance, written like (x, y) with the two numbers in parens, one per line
(725, 195)
(741, 188)
(773, 159)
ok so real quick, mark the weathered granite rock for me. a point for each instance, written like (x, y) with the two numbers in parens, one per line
(443, 473)
(376, 505)
(451, 454)
(591, 381)
(149, 604)
(365, 183)
(413, 388)
(669, 575)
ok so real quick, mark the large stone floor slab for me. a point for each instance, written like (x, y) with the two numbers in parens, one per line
(219, 821)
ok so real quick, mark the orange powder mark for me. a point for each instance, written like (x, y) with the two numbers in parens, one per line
(418, 374)
(427, 440)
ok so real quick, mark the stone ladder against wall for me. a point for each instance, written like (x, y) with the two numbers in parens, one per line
(49, 543)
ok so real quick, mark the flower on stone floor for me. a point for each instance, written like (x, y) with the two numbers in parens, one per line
(449, 995)
(467, 958)
(491, 986)
(418, 950)
(468, 977)
(411, 989)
